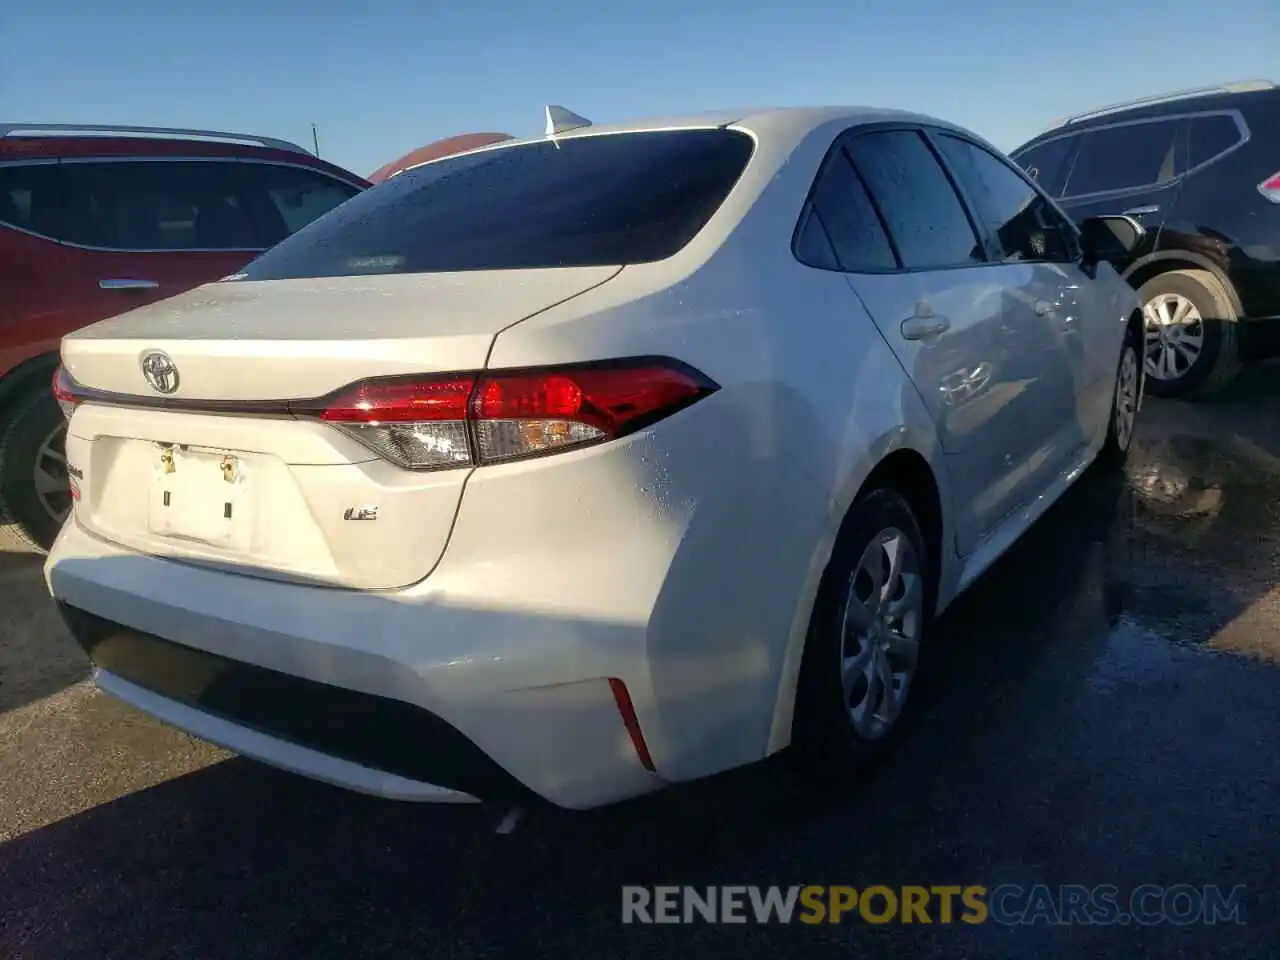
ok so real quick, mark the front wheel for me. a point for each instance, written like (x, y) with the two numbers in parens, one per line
(1126, 399)
(862, 654)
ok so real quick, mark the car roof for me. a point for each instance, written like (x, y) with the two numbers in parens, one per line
(20, 141)
(1176, 104)
(775, 122)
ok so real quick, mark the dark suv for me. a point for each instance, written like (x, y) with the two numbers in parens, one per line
(1200, 170)
(98, 220)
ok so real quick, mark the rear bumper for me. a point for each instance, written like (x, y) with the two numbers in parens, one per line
(366, 691)
(369, 743)
(674, 560)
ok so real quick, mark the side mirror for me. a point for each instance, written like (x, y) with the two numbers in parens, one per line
(1114, 239)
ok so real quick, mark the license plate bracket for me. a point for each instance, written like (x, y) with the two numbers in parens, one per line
(201, 495)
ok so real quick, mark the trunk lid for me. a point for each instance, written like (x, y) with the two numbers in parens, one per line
(296, 339)
(268, 494)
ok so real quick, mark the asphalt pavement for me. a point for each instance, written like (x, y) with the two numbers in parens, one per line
(1102, 708)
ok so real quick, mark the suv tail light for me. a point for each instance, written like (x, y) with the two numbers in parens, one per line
(64, 391)
(454, 420)
(1270, 187)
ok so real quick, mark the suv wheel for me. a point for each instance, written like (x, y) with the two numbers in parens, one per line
(35, 497)
(1192, 343)
(863, 650)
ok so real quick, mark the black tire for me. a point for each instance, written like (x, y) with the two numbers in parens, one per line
(1219, 359)
(824, 740)
(25, 523)
(1115, 449)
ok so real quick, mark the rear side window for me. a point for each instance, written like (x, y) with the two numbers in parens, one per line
(1046, 163)
(812, 245)
(1211, 136)
(29, 197)
(291, 197)
(155, 206)
(925, 218)
(1125, 157)
(850, 219)
(580, 201)
(1023, 223)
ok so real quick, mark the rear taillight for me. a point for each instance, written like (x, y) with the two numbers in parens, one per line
(416, 423)
(453, 420)
(1270, 187)
(64, 391)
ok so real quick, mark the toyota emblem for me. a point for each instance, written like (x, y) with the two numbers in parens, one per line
(160, 371)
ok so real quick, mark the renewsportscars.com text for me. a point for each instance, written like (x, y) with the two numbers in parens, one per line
(1007, 904)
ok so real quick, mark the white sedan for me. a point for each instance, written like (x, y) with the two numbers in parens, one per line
(588, 464)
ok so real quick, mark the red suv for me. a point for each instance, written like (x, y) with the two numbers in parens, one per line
(98, 220)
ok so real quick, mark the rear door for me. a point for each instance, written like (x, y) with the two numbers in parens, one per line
(947, 311)
(34, 268)
(1133, 169)
(1053, 294)
(145, 230)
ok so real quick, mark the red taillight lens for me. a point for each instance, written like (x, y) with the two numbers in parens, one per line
(1270, 187)
(416, 423)
(519, 415)
(464, 419)
(401, 400)
(64, 391)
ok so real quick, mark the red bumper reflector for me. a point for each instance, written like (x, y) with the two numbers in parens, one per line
(629, 719)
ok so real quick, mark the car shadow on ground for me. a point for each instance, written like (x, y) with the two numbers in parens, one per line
(37, 657)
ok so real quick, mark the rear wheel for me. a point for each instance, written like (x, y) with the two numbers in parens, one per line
(35, 497)
(1192, 342)
(863, 650)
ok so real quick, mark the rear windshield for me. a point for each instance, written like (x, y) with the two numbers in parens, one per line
(582, 201)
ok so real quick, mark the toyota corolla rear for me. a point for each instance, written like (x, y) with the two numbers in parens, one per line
(422, 503)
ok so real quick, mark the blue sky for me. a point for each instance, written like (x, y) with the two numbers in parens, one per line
(380, 78)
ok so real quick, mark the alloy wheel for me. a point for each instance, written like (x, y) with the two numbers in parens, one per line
(881, 623)
(49, 475)
(1174, 335)
(1126, 399)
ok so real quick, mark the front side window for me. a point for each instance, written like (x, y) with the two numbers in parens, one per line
(1125, 157)
(920, 207)
(579, 201)
(146, 205)
(1047, 163)
(1024, 224)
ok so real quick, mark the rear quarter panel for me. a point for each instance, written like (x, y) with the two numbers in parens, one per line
(1223, 218)
(810, 400)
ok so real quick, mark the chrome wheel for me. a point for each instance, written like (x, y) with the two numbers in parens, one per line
(1126, 399)
(1174, 335)
(881, 622)
(50, 475)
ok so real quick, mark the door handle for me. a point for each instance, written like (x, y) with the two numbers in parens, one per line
(123, 284)
(1142, 211)
(925, 328)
